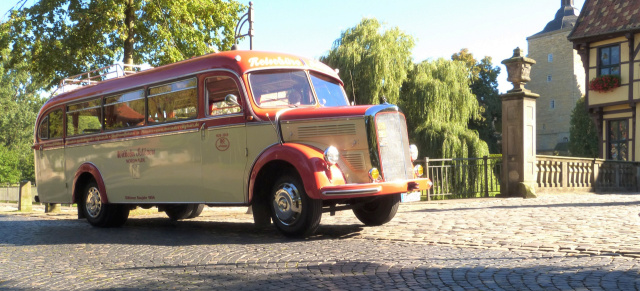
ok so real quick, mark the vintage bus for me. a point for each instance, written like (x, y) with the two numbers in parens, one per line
(239, 128)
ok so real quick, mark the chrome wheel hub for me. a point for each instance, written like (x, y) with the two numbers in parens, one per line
(287, 204)
(93, 203)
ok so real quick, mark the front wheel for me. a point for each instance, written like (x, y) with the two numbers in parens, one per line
(293, 212)
(379, 211)
(102, 214)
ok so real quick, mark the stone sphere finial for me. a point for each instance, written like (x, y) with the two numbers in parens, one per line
(518, 70)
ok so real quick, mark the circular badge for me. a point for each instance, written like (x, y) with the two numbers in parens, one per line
(222, 144)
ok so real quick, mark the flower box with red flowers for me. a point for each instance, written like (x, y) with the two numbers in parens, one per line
(604, 83)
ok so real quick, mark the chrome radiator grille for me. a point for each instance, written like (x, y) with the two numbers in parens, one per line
(393, 143)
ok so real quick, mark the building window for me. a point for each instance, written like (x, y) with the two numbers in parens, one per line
(552, 104)
(618, 141)
(548, 78)
(609, 61)
(550, 58)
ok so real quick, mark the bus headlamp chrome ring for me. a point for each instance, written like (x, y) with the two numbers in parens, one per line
(331, 155)
(413, 149)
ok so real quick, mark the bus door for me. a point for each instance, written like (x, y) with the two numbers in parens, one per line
(224, 141)
(50, 161)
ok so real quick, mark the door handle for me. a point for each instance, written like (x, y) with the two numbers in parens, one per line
(202, 131)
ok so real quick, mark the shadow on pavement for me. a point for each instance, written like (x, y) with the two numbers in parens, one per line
(19, 231)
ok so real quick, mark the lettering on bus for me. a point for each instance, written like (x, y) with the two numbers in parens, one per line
(142, 198)
(136, 156)
(258, 62)
(222, 142)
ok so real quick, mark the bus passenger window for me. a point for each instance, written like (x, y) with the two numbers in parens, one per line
(124, 110)
(55, 124)
(174, 101)
(84, 118)
(217, 89)
(51, 125)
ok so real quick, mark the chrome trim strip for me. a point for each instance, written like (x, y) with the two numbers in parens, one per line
(52, 148)
(364, 191)
(226, 126)
(221, 116)
(337, 118)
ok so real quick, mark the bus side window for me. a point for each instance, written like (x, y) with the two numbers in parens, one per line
(84, 118)
(173, 101)
(43, 129)
(51, 125)
(217, 89)
(124, 110)
(56, 128)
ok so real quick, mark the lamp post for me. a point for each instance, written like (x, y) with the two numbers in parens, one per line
(518, 130)
(246, 18)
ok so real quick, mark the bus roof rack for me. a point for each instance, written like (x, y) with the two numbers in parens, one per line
(99, 75)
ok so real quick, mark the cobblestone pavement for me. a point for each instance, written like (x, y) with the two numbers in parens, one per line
(555, 242)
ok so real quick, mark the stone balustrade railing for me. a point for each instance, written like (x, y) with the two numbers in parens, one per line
(581, 174)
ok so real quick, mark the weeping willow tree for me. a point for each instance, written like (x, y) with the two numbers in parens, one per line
(372, 62)
(438, 103)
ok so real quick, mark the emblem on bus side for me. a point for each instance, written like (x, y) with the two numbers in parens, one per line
(222, 143)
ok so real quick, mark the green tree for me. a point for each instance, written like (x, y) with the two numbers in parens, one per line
(19, 103)
(66, 37)
(372, 63)
(438, 103)
(484, 84)
(583, 135)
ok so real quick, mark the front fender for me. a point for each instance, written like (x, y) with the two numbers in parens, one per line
(309, 163)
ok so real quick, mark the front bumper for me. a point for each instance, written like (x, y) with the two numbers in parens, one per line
(372, 189)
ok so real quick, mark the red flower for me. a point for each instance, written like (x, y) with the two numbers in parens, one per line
(604, 83)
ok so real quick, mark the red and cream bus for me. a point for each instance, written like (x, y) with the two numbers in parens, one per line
(237, 128)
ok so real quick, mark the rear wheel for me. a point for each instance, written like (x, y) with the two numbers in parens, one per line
(379, 211)
(292, 211)
(197, 210)
(102, 214)
(179, 211)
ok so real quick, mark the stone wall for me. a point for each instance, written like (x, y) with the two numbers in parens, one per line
(564, 88)
(11, 193)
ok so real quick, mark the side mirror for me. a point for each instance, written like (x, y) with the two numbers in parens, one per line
(231, 100)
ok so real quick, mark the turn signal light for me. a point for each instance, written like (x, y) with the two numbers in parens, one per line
(374, 174)
(418, 170)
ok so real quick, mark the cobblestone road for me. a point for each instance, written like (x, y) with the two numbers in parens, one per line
(555, 242)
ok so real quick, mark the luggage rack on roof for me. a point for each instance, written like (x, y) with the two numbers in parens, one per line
(98, 75)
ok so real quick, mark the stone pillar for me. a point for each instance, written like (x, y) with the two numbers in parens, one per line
(24, 197)
(518, 130)
(52, 208)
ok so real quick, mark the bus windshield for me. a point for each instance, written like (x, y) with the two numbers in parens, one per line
(291, 88)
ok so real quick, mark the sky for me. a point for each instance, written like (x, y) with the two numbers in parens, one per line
(440, 28)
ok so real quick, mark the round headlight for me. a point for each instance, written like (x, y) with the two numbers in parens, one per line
(413, 149)
(374, 174)
(418, 170)
(331, 155)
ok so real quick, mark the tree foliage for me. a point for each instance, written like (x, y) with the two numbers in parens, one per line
(484, 84)
(372, 62)
(19, 103)
(67, 37)
(583, 135)
(438, 103)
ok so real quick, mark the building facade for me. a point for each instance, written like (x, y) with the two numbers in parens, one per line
(558, 77)
(607, 38)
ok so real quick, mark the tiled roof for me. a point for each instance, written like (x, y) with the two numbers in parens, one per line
(565, 18)
(601, 17)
